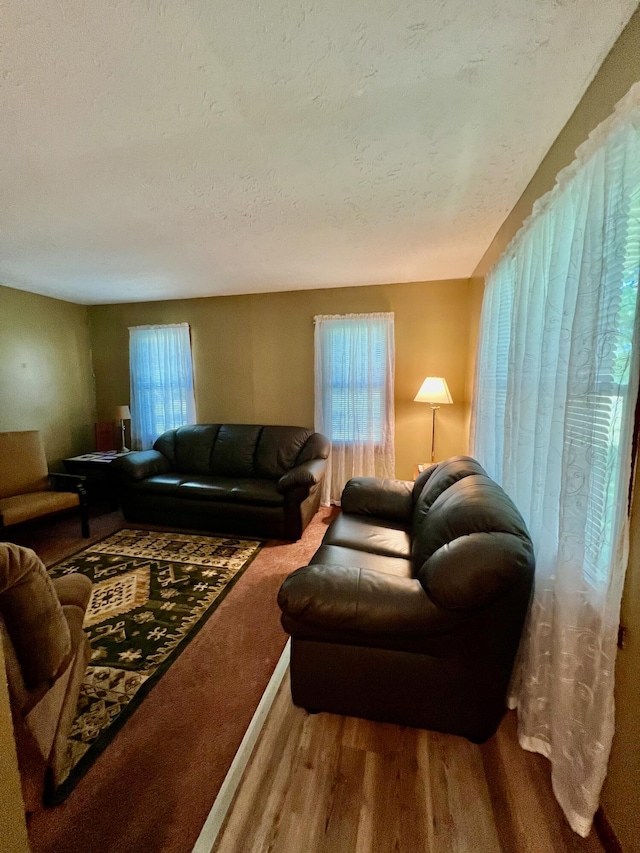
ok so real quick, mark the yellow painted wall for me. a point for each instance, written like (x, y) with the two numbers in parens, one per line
(46, 380)
(621, 791)
(253, 356)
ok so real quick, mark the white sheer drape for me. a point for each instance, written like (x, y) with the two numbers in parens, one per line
(161, 375)
(556, 387)
(354, 372)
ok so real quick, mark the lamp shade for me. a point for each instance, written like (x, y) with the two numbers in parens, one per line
(122, 413)
(433, 390)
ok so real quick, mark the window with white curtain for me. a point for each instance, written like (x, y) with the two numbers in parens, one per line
(354, 372)
(161, 374)
(553, 417)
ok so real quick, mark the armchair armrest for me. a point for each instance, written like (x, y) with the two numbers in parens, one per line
(308, 474)
(361, 602)
(379, 497)
(140, 465)
(68, 482)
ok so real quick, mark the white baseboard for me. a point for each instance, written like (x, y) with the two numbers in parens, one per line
(219, 809)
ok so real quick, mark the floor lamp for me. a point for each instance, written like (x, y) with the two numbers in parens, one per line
(123, 414)
(433, 390)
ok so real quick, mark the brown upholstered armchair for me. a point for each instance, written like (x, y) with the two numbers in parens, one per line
(46, 655)
(28, 490)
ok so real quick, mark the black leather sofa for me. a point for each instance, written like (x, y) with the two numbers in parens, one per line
(243, 479)
(411, 610)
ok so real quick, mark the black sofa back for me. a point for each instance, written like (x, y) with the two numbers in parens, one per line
(235, 450)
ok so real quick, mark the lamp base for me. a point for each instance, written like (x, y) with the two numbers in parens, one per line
(123, 447)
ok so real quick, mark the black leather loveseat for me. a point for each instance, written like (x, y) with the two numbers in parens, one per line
(231, 478)
(412, 608)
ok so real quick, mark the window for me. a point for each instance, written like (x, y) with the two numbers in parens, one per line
(355, 359)
(594, 419)
(161, 381)
(354, 366)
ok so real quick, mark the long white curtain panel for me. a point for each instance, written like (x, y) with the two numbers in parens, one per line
(555, 394)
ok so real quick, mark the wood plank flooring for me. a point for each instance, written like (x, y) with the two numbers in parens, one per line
(329, 784)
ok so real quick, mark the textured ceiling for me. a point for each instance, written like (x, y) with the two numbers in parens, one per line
(155, 149)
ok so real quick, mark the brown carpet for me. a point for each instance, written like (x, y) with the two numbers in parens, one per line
(152, 788)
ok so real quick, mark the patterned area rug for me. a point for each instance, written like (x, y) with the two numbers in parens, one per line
(151, 593)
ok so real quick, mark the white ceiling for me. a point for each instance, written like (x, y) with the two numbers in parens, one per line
(155, 149)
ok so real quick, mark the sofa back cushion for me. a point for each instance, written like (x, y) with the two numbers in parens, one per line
(278, 449)
(473, 544)
(188, 448)
(240, 450)
(193, 448)
(165, 444)
(427, 489)
(234, 450)
(317, 447)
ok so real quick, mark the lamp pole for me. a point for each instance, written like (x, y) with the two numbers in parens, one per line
(433, 432)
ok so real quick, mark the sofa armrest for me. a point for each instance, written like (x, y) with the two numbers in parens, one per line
(382, 498)
(140, 465)
(361, 602)
(308, 474)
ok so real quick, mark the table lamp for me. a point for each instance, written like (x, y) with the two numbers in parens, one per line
(123, 414)
(433, 390)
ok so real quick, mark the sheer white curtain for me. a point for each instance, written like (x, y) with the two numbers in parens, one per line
(556, 387)
(161, 374)
(354, 372)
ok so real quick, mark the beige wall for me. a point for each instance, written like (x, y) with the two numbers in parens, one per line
(621, 790)
(46, 381)
(253, 355)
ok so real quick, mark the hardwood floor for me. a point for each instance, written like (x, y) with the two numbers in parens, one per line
(329, 784)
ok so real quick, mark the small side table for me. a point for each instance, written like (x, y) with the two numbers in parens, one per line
(95, 467)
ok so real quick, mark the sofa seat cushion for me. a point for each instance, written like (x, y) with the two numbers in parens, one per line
(160, 484)
(258, 492)
(231, 489)
(336, 555)
(18, 508)
(205, 487)
(368, 533)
